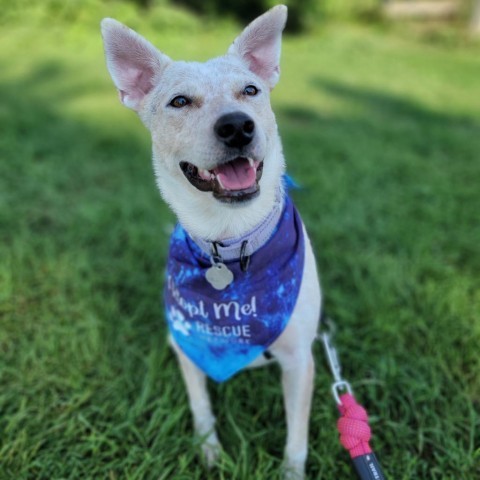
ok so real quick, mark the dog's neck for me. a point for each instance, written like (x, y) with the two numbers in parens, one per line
(247, 244)
(213, 221)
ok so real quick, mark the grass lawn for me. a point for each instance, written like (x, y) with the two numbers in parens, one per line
(382, 132)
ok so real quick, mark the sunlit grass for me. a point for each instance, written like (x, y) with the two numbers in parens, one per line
(382, 133)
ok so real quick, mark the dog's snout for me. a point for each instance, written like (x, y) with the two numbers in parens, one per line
(235, 129)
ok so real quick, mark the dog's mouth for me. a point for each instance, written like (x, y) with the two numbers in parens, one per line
(230, 182)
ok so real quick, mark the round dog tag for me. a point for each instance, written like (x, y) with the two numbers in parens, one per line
(219, 276)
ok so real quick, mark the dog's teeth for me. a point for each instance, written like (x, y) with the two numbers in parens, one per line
(251, 162)
(205, 174)
(220, 182)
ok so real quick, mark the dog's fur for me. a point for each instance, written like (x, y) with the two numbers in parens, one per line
(147, 81)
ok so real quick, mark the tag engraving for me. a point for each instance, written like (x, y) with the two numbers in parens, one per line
(219, 276)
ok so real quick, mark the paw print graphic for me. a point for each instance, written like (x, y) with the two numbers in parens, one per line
(178, 321)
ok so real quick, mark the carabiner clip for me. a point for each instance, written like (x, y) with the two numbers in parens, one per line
(332, 356)
(340, 385)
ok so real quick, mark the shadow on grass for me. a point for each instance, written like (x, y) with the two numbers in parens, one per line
(391, 173)
(396, 108)
(82, 230)
(71, 187)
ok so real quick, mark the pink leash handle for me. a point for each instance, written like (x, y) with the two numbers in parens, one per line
(355, 435)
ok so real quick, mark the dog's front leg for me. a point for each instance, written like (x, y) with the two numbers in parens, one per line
(297, 382)
(203, 418)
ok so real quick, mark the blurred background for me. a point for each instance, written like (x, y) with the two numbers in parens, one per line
(379, 111)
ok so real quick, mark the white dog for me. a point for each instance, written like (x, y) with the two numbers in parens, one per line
(242, 286)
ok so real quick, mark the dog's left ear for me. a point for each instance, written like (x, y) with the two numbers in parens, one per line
(259, 45)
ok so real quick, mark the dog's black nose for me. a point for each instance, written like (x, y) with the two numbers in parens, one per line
(235, 129)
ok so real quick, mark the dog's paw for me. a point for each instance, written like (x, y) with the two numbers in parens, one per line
(293, 471)
(211, 450)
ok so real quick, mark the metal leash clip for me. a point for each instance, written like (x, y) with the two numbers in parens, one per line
(326, 334)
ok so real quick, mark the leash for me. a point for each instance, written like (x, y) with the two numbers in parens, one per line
(355, 432)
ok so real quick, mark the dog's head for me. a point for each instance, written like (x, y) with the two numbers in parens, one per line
(215, 140)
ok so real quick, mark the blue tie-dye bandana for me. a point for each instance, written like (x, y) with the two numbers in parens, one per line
(222, 331)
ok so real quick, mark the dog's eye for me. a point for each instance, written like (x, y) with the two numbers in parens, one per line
(250, 90)
(180, 101)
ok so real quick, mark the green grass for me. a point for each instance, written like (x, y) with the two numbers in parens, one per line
(382, 132)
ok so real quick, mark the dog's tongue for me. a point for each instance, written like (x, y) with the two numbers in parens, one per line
(236, 175)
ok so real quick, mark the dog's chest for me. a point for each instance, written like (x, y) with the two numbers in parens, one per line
(222, 331)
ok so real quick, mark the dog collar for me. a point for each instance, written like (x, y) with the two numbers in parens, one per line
(246, 245)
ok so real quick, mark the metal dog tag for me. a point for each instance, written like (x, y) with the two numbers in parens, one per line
(219, 276)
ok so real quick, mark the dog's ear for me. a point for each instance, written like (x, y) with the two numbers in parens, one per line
(259, 45)
(134, 63)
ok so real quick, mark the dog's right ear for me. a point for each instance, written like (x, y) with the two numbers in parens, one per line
(135, 65)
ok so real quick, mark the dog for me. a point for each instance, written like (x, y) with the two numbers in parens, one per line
(242, 288)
